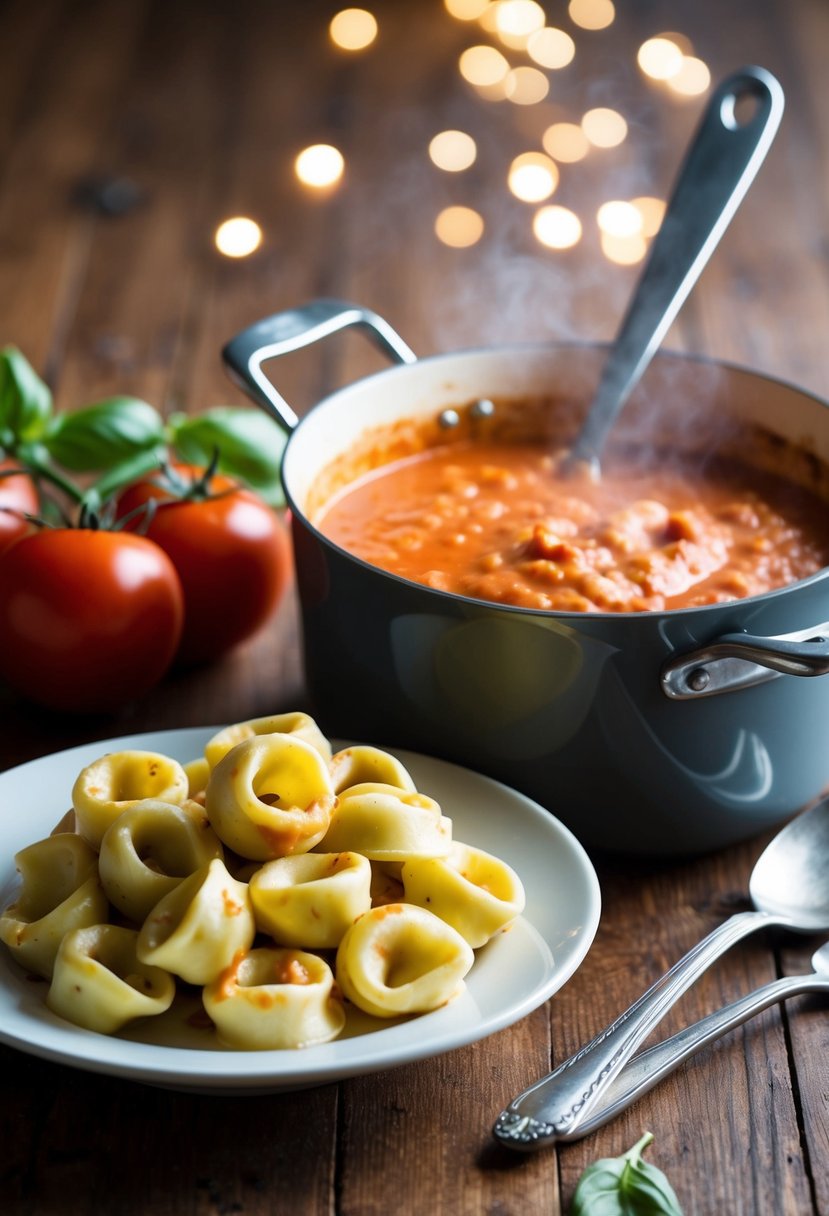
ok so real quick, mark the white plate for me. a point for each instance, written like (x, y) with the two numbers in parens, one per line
(512, 975)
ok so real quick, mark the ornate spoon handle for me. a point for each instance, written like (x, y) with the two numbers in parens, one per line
(555, 1107)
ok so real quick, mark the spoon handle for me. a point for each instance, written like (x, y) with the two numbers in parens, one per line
(647, 1069)
(555, 1107)
(718, 169)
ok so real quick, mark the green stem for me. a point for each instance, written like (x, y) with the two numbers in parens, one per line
(34, 466)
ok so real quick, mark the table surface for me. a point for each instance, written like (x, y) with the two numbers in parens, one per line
(196, 112)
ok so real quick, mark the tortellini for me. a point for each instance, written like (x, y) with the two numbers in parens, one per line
(231, 873)
(270, 796)
(116, 781)
(199, 927)
(149, 850)
(311, 899)
(101, 984)
(275, 999)
(471, 890)
(401, 959)
(60, 892)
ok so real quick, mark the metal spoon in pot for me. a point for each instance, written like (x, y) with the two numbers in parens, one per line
(789, 888)
(647, 1069)
(719, 166)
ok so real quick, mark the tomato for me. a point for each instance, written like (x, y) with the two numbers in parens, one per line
(89, 620)
(18, 496)
(231, 552)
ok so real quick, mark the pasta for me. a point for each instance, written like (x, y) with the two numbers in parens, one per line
(401, 959)
(60, 892)
(114, 782)
(291, 888)
(269, 796)
(275, 999)
(99, 982)
(147, 852)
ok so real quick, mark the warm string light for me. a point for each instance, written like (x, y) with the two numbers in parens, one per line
(453, 151)
(459, 227)
(238, 237)
(532, 177)
(353, 29)
(320, 166)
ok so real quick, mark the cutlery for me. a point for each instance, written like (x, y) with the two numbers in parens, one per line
(718, 169)
(789, 889)
(647, 1069)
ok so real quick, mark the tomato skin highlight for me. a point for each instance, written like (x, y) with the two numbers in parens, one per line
(89, 620)
(231, 553)
(18, 495)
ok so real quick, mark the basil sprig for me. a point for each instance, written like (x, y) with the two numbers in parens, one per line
(124, 438)
(625, 1186)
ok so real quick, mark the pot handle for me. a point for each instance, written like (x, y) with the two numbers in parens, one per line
(741, 660)
(291, 330)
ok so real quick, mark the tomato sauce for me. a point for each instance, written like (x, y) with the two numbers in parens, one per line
(493, 521)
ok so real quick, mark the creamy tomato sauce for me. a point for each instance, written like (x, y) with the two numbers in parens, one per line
(495, 522)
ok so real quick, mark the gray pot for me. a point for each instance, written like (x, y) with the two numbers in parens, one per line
(655, 732)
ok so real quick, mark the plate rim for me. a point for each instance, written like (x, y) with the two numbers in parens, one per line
(227, 1072)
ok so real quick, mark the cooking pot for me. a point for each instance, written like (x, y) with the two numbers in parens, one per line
(667, 732)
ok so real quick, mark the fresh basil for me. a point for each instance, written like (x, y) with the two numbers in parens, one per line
(625, 1186)
(104, 435)
(248, 443)
(25, 401)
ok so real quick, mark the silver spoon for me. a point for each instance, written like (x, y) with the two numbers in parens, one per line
(647, 1069)
(789, 888)
(718, 169)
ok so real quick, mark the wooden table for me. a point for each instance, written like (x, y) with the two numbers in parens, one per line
(128, 132)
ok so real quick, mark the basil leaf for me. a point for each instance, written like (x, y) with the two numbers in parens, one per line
(249, 445)
(103, 435)
(25, 401)
(625, 1186)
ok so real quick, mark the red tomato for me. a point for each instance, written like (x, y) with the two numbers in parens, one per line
(18, 495)
(231, 553)
(88, 620)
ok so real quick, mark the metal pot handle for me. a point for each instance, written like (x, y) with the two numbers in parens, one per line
(741, 660)
(291, 330)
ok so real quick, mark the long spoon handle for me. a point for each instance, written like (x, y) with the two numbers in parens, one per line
(718, 169)
(556, 1106)
(647, 1069)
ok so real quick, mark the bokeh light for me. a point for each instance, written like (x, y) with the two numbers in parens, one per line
(660, 58)
(459, 227)
(515, 20)
(466, 10)
(604, 128)
(453, 151)
(624, 250)
(618, 218)
(238, 237)
(483, 66)
(565, 142)
(692, 78)
(652, 211)
(319, 166)
(592, 14)
(526, 86)
(557, 227)
(551, 48)
(353, 29)
(532, 177)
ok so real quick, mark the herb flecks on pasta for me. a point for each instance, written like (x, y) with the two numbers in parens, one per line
(285, 883)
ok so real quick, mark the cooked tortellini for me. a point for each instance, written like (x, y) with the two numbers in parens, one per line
(269, 796)
(227, 876)
(273, 999)
(114, 782)
(296, 725)
(311, 899)
(471, 890)
(386, 823)
(401, 959)
(101, 984)
(60, 892)
(197, 929)
(147, 852)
